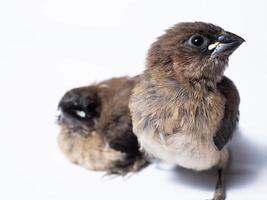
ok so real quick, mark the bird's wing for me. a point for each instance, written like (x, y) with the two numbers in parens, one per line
(115, 123)
(231, 113)
(119, 135)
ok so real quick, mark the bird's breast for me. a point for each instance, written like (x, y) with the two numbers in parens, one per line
(181, 131)
(181, 149)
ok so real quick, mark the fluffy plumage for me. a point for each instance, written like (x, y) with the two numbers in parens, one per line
(96, 128)
(184, 110)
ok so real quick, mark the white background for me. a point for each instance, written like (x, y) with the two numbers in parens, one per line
(50, 46)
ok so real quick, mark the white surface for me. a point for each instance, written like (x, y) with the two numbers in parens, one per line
(50, 46)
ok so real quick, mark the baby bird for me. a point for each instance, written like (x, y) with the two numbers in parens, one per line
(184, 110)
(96, 127)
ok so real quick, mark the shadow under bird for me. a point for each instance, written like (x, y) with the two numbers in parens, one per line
(96, 127)
(184, 110)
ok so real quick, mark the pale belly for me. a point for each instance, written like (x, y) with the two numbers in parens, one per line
(183, 150)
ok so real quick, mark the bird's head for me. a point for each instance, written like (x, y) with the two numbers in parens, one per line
(79, 110)
(193, 51)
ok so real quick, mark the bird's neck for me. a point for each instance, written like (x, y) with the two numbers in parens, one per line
(162, 79)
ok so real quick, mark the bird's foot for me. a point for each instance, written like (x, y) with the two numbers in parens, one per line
(219, 196)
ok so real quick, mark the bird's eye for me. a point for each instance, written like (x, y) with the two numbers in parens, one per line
(198, 41)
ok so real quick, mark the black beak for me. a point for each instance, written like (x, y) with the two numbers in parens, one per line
(227, 43)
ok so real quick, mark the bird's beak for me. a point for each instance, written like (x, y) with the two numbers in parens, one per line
(225, 45)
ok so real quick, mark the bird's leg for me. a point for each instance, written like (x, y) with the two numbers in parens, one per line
(220, 193)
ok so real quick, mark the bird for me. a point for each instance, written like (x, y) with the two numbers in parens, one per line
(184, 109)
(96, 127)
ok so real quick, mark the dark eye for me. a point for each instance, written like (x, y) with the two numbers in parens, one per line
(198, 41)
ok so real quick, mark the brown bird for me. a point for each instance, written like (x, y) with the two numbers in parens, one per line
(96, 127)
(184, 110)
